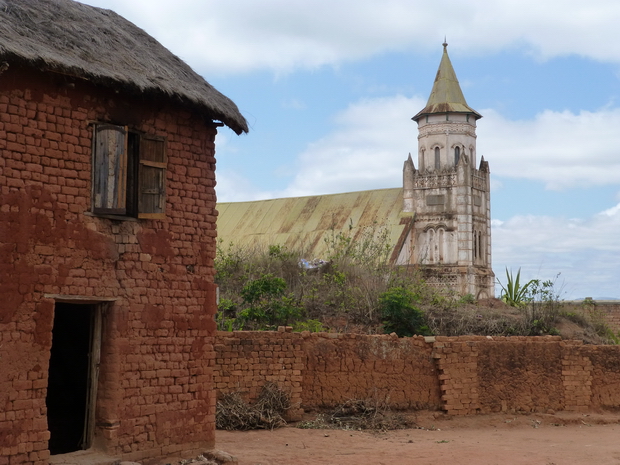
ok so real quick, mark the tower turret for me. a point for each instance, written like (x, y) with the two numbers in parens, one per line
(446, 125)
(408, 184)
(451, 236)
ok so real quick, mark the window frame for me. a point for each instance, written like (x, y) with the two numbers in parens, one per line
(129, 171)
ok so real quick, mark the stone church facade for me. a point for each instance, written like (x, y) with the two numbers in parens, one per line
(439, 221)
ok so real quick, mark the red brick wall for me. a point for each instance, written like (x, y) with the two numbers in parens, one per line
(461, 375)
(324, 370)
(526, 374)
(155, 392)
(604, 375)
(611, 310)
(246, 360)
(607, 311)
(385, 368)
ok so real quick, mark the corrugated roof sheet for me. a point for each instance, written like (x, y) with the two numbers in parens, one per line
(308, 223)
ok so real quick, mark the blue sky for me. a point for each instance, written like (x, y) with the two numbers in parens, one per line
(329, 87)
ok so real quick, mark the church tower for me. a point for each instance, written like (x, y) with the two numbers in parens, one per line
(447, 195)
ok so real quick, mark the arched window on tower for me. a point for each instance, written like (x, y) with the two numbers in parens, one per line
(457, 155)
(440, 245)
(431, 246)
(480, 244)
(437, 159)
(475, 245)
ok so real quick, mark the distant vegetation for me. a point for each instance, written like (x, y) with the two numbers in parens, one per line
(355, 289)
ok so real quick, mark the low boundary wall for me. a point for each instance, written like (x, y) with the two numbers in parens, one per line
(608, 310)
(611, 311)
(460, 375)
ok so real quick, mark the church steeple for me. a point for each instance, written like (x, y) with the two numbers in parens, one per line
(450, 239)
(446, 96)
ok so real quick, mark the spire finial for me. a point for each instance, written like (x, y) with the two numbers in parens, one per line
(445, 43)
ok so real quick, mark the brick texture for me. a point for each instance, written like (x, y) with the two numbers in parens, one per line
(248, 360)
(155, 395)
(385, 368)
(460, 375)
(611, 312)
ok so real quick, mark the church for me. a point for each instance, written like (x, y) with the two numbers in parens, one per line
(439, 221)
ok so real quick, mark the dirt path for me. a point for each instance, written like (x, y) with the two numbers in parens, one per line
(481, 440)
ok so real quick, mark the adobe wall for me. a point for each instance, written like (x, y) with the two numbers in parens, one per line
(611, 310)
(460, 375)
(326, 369)
(155, 394)
(246, 360)
(348, 366)
(608, 310)
(526, 374)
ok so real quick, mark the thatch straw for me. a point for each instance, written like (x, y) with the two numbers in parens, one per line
(101, 46)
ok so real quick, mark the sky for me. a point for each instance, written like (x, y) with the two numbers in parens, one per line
(329, 89)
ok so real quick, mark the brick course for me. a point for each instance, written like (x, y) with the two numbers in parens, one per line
(611, 312)
(245, 361)
(460, 375)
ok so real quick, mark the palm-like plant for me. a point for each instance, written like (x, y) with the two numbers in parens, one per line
(513, 293)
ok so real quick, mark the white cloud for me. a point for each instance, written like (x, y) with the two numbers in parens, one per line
(585, 252)
(366, 150)
(232, 187)
(561, 149)
(371, 140)
(283, 35)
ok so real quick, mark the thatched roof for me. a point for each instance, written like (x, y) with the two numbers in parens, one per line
(103, 47)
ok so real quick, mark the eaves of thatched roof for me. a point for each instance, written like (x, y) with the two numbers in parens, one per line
(101, 46)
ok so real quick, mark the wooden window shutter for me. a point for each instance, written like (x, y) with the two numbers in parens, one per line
(110, 170)
(152, 178)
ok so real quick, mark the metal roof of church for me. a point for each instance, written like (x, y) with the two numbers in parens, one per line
(307, 224)
(446, 96)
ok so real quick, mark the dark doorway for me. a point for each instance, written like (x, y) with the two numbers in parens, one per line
(70, 377)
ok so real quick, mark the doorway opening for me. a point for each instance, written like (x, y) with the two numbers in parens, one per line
(72, 381)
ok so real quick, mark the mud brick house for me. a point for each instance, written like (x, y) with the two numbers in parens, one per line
(107, 238)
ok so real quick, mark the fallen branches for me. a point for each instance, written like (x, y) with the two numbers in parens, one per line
(235, 414)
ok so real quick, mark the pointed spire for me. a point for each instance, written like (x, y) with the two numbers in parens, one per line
(446, 96)
(409, 161)
(484, 165)
(408, 168)
(408, 184)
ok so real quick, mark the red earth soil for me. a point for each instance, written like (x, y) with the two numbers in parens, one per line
(559, 439)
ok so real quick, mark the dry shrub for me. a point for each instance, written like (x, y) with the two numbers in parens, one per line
(235, 414)
(356, 414)
(476, 320)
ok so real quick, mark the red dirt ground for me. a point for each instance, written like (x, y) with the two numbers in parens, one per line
(560, 439)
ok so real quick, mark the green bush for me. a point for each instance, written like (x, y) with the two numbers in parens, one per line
(314, 326)
(399, 313)
(355, 288)
(267, 303)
